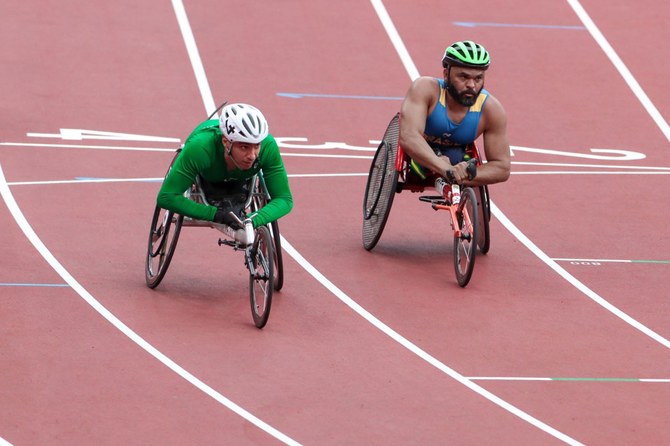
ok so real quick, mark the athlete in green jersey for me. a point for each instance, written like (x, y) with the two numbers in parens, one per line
(224, 153)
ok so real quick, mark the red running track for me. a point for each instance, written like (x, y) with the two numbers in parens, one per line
(319, 373)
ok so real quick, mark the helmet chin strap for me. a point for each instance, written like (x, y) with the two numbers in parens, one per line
(229, 152)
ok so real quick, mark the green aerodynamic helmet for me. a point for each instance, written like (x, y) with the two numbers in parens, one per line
(466, 53)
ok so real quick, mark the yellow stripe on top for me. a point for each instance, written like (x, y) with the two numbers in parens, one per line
(443, 97)
(477, 106)
(417, 169)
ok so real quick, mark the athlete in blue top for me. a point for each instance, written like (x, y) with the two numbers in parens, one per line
(440, 117)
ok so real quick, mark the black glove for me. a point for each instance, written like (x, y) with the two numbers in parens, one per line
(472, 169)
(227, 218)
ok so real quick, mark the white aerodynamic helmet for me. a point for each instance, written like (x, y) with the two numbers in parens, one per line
(243, 123)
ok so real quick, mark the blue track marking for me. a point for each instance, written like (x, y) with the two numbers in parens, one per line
(338, 96)
(516, 25)
(36, 284)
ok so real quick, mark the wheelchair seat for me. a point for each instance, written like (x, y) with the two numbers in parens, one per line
(232, 196)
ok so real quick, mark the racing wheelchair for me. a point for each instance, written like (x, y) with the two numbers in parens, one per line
(468, 207)
(261, 246)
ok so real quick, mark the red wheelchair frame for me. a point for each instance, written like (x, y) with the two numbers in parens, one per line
(391, 173)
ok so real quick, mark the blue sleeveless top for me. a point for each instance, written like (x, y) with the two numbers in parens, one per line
(448, 138)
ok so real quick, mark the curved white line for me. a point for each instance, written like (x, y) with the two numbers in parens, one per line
(572, 280)
(352, 304)
(104, 312)
(517, 233)
(418, 351)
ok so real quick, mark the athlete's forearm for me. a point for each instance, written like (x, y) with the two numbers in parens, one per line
(490, 173)
(274, 210)
(176, 202)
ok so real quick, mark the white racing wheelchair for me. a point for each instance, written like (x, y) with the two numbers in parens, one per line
(261, 246)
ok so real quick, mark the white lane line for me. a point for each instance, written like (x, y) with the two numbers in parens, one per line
(417, 350)
(194, 55)
(545, 258)
(160, 179)
(116, 322)
(293, 175)
(83, 146)
(586, 172)
(316, 274)
(574, 281)
(613, 261)
(569, 379)
(555, 259)
(595, 166)
(396, 40)
(512, 228)
(621, 67)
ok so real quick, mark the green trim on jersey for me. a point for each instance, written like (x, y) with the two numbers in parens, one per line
(203, 154)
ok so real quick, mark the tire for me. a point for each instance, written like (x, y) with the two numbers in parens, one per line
(279, 261)
(484, 214)
(163, 237)
(260, 199)
(465, 245)
(381, 186)
(261, 280)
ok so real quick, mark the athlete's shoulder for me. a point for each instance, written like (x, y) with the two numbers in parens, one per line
(269, 145)
(494, 113)
(423, 89)
(492, 104)
(269, 139)
(205, 131)
(425, 82)
(210, 125)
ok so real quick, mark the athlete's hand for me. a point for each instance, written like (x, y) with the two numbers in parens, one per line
(465, 170)
(227, 218)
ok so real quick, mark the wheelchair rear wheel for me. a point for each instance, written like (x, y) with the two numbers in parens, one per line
(163, 237)
(261, 278)
(381, 186)
(465, 245)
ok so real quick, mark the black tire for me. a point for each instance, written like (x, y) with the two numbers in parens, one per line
(261, 281)
(465, 246)
(260, 199)
(279, 261)
(484, 214)
(163, 237)
(381, 186)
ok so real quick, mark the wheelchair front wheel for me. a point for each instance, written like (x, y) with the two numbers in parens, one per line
(279, 261)
(465, 245)
(163, 237)
(261, 276)
(484, 214)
